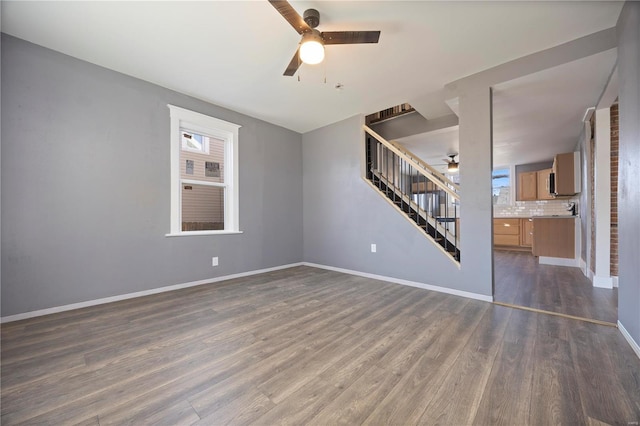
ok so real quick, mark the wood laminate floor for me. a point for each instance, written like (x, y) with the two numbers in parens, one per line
(309, 346)
(520, 280)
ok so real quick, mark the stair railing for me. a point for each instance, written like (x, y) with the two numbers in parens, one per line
(422, 193)
(427, 168)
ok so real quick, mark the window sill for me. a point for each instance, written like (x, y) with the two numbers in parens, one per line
(195, 233)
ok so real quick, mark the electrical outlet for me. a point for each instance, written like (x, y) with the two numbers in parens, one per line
(373, 248)
(214, 261)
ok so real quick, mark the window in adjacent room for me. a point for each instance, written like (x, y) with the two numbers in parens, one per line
(204, 174)
(501, 185)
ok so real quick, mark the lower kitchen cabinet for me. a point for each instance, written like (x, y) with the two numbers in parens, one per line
(554, 237)
(526, 232)
(506, 232)
(545, 236)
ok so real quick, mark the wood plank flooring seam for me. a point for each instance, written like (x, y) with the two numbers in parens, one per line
(558, 314)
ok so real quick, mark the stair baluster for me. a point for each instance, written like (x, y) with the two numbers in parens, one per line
(425, 196)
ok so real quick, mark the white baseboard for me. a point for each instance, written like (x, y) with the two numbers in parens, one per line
(614, 281)
(629, 339)
(602, 282)
(439, 289)
(104, 300)
(558, 261)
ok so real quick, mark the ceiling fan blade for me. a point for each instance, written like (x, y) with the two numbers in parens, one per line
(350, 37)
(293, 65)
(289, 13)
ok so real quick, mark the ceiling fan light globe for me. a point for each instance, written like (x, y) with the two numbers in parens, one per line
(452, 167)
(311, 49)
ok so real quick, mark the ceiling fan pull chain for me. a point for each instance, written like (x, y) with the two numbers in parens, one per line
(324, 71)
(324, 67)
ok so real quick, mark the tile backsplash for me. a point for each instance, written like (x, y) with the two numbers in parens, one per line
(535, 208)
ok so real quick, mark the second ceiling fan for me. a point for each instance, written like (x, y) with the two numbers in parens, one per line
(452, 165)
(311, 49)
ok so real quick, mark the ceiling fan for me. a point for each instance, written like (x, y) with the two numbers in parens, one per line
(311, 50)
(452, 165)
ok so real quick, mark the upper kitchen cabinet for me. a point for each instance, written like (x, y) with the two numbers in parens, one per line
(527, 186)
(534, 186)
(565, 176)
(563, 179)
(544, 181)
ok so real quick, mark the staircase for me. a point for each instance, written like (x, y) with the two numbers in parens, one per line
(422, 194)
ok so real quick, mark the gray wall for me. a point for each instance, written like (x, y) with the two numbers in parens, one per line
(85, 186)
(343, 216)
(476, 202)
(533, 167)
(629, 169)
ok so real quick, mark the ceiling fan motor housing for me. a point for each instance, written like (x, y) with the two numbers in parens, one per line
(311, 17)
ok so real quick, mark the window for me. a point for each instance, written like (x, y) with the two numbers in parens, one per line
(501, 185)
(204, 174)
(194, 142)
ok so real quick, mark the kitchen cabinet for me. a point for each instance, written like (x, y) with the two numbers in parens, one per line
(554, 237)
(506, 232)
(527, 186)
(535, 185)
(543, 180)
(526, 232)
(566, 174)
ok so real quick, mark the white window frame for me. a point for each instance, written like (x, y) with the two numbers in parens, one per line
(184, 119)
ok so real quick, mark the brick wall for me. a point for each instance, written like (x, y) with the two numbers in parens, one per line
(614, 190)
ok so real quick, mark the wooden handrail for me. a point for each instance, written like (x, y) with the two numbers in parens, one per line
(419, 167)
(426, 166)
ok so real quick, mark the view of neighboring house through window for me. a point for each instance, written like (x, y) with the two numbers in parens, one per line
(202, 181)
(501, 184)
(204, 195)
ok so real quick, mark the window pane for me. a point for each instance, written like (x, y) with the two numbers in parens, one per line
(192, 141)
(501, 183)
(207, 165)
(202, 208)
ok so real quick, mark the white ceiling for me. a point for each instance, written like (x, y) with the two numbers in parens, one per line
(433, 147)
(534, 117)
(233, 53)
(540, 115)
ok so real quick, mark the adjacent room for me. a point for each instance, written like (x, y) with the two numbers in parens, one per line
(317, 212)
